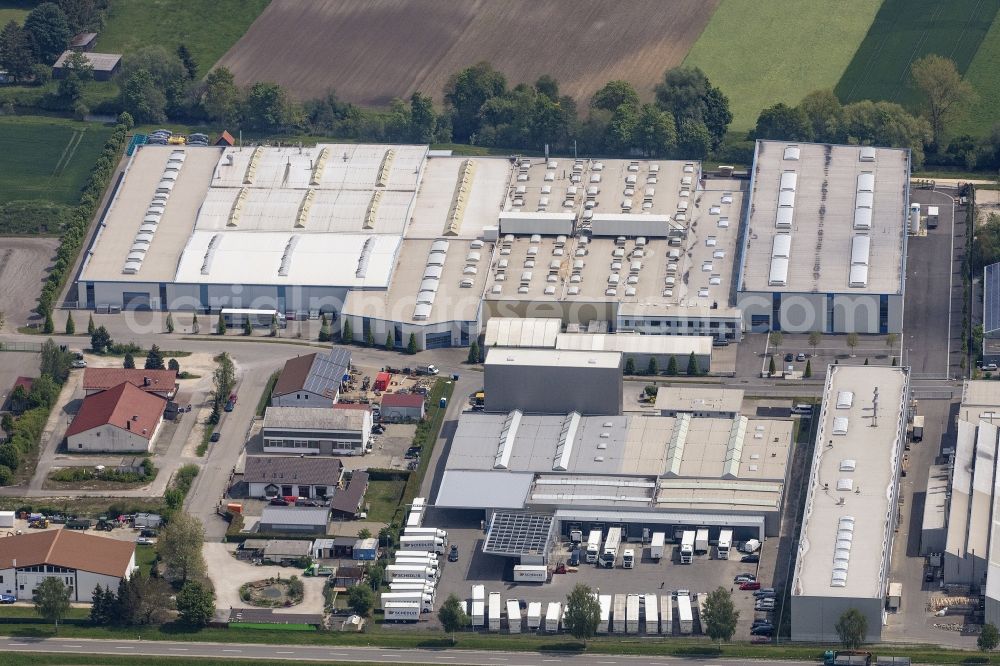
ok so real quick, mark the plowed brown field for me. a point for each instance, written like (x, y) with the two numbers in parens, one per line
(370, 51)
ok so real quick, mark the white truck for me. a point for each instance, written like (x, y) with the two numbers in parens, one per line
(514, 616)
(416, 556)
(610, 553)
(426, 531)
(552, 616)
(604, 626)
(401, 611)
(687, 546)
(415, 518)
(658, 545)
(478, 613)
(618, 615)
(396, 572)
(667, 614)
(724, 544)
(479, 593)
(593, 546)
(426, 600)
(427, 370)
(685, 617)
(420, 542)
(534, 615)
(494, 611)
(429, 554)
(628, 558)
(701, 541)
(632, 614)
(413, 586)
(530, 573)
(651, 614)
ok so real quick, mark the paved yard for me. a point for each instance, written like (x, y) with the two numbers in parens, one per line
(228, 574)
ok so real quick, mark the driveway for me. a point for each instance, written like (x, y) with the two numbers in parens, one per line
(228, 574)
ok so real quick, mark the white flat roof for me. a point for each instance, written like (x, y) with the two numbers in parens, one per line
(691, 399)
(244, 257)
(633, 343)
(846, 535)
(816, 197)
(527, 332)
(435, 206)
(552, 357)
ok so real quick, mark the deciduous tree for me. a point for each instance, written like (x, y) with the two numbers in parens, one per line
(583, 612)
(946, 94)
(720, 615)
(196, 604)
(452, 617)
(52, 600)
(361, 599)
(852, 627)
(180, 546)
(48, 32)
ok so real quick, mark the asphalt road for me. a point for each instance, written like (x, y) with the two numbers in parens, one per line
(335, 654)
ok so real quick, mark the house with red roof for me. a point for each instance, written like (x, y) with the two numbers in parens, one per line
(161, 382)
(122, 419)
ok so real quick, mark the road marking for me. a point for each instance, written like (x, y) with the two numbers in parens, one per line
(124, 647)
(13, 644)
(74, 646)
(178, 649)
(232, 650)
(281, 652)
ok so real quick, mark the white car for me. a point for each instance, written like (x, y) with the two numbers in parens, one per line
(79, 363)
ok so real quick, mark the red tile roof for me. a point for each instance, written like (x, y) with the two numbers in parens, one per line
(70, 549)
(402, 400)
(225, 139)
(123, 406)
(101, 379)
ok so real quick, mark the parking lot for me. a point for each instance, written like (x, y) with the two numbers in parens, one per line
(648, 577)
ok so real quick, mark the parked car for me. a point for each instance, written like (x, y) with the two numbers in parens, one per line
(759, 621)
(574, 558)
(148, 533)
(750, 585)
(144, 541)
(800, 357)
(79, 363)
(764, 592)
(453, 553)
(750, 559)
(214, 437)
(789, 357)
(764, 605)
(279, 501)
(762, 630)
(744, 578)
(7, 598)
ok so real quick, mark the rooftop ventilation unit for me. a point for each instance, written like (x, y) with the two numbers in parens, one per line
(286, 257)
(366, 253)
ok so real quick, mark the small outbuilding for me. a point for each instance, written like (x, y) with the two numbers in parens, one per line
(346, 502)
(294, 520)
(402, 407)
(84, 41)
(104, 65)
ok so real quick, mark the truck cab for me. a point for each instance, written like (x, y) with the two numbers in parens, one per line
(628, 559)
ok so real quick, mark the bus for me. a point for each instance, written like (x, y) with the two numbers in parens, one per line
(237, 318)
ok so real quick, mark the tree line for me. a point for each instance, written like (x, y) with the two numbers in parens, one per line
(27, 52)
(945, 95)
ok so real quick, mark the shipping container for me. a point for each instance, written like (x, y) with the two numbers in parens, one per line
(658, 545)
(685, 616)
(552, 616)
(531, 573)
(725, 543)
(494, 610)
(478, 613)
(667, 614)
(401, 611)
(513, 616)
(687, 546)
(632, 614)
(701, 541)
(618, 615)
(479, 593)
(534, 615)
(604, 626)
(651, 614)
(593, 546)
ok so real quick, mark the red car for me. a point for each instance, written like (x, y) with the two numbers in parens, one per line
(750, 585)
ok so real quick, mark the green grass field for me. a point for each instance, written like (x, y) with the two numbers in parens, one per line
(906, 30)
(8, 14)
(984, 75)
(761, 53)
(207, 27)
(47, 158)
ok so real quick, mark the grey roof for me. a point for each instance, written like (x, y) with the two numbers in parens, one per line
(294, 515)
(691, 399)
(293, 469)
(471, 489)
(518, 534)
(313, 418)
(348, 499)
(280, 547)
(991, 299)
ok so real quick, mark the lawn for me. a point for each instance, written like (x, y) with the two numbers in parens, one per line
(984, 75)
(47, 158)
(906, 30)
(383, 499)
(761, 53)
(207, 27)
(8, 14)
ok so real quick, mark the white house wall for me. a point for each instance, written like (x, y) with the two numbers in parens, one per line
(111, 439)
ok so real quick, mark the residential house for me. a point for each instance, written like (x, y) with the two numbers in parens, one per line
(161, 382)
(271, 476)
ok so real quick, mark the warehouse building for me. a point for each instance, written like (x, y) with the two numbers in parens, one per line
(818, 217)
(849, 523)
(590, 472)
(523, 379)
(534, 333)
(991, 314)
(703, 403)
